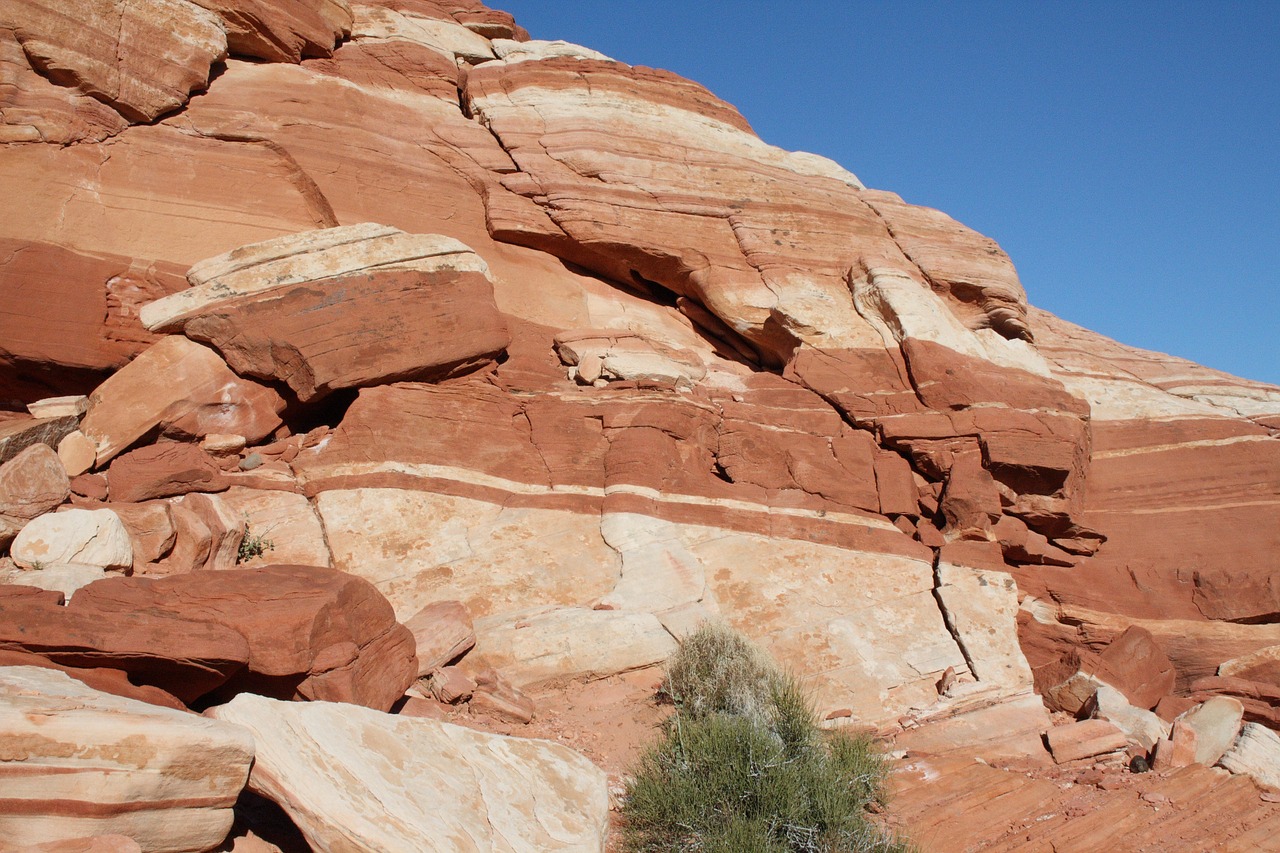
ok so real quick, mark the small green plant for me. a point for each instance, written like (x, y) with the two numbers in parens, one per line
(253, 545)
(743, 766)
(37, 565)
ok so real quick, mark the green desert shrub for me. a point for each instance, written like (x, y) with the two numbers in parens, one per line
(743, 766)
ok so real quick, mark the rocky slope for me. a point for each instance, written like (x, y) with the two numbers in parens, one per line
(391, 289)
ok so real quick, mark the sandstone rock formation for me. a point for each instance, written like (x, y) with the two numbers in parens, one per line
(79, 763)
(312, 632)
(389, 288)
(423, 784)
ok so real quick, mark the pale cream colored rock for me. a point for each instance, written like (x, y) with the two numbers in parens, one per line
(1140, 726)
(442, 632)
(445, 37)
(87, 537)
(1011, 727)
(982, 609)
(176, 380)
(286, 519)
(658, 572)
(1256, 754)
(419, 547)
(92, 763)
(65, 578)
(312, 256)
(423, 784)
(1235, 666)
(534, 647)
(77, 452)
(1216, 722)
(521, 51)
(59, 407)
(862, 628)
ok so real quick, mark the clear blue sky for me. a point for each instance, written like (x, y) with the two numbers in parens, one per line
(1125, 154)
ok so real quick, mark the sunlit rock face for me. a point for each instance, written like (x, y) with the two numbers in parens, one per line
(510, 323)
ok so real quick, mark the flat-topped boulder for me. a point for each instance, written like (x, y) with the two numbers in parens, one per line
(312, 633)
(424, 785)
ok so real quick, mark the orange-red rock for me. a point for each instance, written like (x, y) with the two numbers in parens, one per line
(31, 483)
(163, 470)
(312, 633)
(143, 61)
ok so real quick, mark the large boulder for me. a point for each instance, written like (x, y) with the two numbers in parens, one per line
(182, 388)
(313, 633)
(341, 308)
(183, 657)
(31, 484)
(88, 537)
(81, 763)
(423, 784)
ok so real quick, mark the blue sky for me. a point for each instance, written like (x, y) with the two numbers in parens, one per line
(1126, 155)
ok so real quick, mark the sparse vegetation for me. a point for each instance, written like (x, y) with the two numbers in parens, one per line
(253, 545)
(743, 766)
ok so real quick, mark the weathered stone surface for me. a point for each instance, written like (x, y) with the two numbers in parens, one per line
(89, 537)
(184, 657)
(38, 110)
(143, 61)
(31, 483)
(313, 633)
(163, 470)
(1215, 722)
(281, 31)
(1255, 753)
(59, 407)
(1142, 728)
(1135, 665)
(571, 643)
(356, 330)
(285, 523)
(105, 679)
(311, 257)
(18, 432)
(1084, 740)
(81, 763)
(65, 578)
(424, 784)
(151, 529)
(442, 632)
(180, 387)
(69, 317)
(77, 452)
(981, 610)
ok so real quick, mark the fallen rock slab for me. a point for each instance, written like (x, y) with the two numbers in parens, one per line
(1216, 722)
(184, 657)
(1084, 739)
(424, 785)
(181, 387)
(1256, 754)
(442, 633)
(78, 763)
(1142, 727)
(163, 470)
(313, 633)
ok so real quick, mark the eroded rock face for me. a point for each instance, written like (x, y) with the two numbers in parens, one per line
(32, 483)
(79, 763)
(719, 379)
(313, 633)
(424, 784)
(142, 60)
